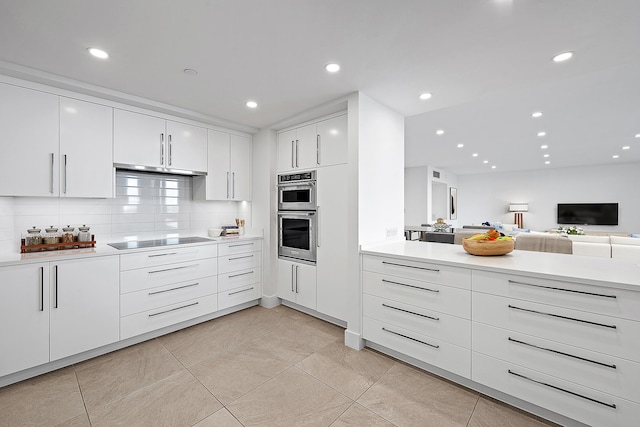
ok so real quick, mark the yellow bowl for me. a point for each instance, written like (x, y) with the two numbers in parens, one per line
(487, 247)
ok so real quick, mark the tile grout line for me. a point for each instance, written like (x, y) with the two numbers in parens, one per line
(474, 410)
(84, 403)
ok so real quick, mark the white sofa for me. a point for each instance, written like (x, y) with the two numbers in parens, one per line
(598, 246)
(625, 248)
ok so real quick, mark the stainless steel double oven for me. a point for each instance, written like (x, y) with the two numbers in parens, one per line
(297, 216)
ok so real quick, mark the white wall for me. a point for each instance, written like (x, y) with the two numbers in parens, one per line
(415, 196)
(485, 197)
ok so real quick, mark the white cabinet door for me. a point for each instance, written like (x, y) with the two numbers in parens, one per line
(85, 305)
(332, 241)
(186, 147)
(240, 166)
(297, 283)
(332, 141)
(30, 155)
(86, 149)
(287, 151)
(307, 147)
(218, 175)
(24, 317)
(138, 139)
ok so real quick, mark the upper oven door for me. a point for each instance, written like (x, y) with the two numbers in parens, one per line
(297, 196)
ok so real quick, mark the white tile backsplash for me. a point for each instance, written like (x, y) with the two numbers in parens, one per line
(146, 206)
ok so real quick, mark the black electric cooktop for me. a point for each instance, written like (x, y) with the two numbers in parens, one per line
(139, 244)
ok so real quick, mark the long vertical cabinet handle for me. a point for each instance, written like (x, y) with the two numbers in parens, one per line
(292, 277)
(227, 185)
(52, 160)
(41, 288)
(318, 218)
(297, 279)
(65, 174)
(318, 150)
(233, 185)
(55, 287)
(162, 148)
(293, 151)
(297, 154)
(170, 151)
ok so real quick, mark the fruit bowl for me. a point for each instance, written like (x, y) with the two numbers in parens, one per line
(487, 247)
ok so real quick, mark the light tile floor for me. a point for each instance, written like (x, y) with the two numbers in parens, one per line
(257, 367)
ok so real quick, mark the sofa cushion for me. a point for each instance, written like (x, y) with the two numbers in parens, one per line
(544, 242)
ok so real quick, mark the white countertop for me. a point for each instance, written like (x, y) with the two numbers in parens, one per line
(101, 249)
(590, 270)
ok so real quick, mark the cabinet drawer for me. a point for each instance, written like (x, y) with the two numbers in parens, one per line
(427, 272)
(619, 377)
(596, 299)
(151, 277)
(236, 279)
(229, 263)
(150, 320)
(236, 296)
(572, 400)
(603, 334)
(426, 322)
(426, 349)
(161, 296)
(166, 256)
(430, 296)
(239, 247)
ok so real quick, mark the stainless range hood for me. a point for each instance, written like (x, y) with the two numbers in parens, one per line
(171, 171)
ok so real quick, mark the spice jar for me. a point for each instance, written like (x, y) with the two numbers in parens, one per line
(51, 236)
(33, 237)
(68, 234)
(84, 235)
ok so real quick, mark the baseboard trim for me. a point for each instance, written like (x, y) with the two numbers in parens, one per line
(353, 340)
(270, 301)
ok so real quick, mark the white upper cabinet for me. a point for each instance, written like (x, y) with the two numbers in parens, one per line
(143, 140)
(228, 168)
(86, 141)
(312, 146)
(30, 156)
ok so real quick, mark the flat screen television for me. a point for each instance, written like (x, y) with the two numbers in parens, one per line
(588, 213)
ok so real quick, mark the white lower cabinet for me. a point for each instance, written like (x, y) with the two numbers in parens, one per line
(239, 273)
(297, 283)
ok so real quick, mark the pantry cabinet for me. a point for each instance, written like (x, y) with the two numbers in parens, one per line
(228, 168)
(143, 140)
(297, 283)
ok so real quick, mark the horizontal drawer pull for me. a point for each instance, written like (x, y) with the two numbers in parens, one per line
(174, 289)
(411, 266)
(410, 312)
(174, 309)
(241, 274)
(562, 289)
(410, 338)
(243, 244)
(563, 317)
(240, 257)
(563, 354)
(237, 292)
(172, 253)
(411, 286)
(174, 268)
(610, 405)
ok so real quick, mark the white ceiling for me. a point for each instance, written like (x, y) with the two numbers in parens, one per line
(487, 63)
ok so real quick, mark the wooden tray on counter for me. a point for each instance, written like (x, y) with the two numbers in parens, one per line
(57, 246)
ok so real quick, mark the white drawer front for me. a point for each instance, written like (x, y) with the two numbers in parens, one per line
(619, 377)
(428, 272)
(235, 279)
(147, 321)
(427, 349)
(239, 262)
(161, 296)
(236, 296)
(603, 334)
(167, 256)
(431, 296)
(151, 277)
(426, 322)
(239, 247)
(586, 405)
(595, 299)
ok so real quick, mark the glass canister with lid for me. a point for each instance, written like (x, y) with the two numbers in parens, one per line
(34, 237)
(51, 236)
(69, 234)
(84, 235)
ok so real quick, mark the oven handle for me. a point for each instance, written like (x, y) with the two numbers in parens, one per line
(301, 183)
(294, 214)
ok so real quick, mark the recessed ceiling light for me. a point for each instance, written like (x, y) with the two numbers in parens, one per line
(615, 156)
(425, 95)
(98, 53)
(546, 155)
(493, 167)
(637, 135)
(547, 162)
(626, 147)
(252, 104)
(439, 132)
(562, 56)
(190, 72)
(536, 114)
(474, 155)
(544, 147)
(542, 133)
(460, 145)
(485, 161)
(332, 68)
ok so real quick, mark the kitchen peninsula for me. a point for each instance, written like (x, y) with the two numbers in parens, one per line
(551, 333)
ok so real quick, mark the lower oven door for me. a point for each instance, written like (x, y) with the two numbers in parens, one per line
(297, 235)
